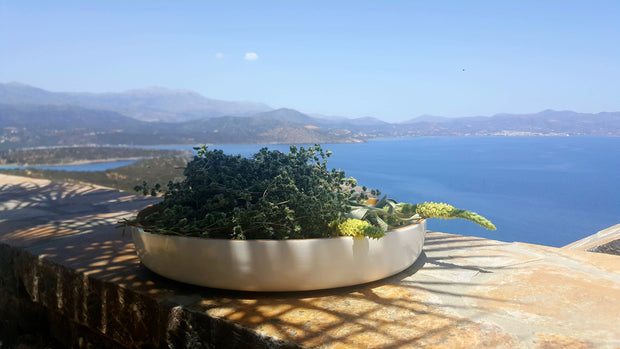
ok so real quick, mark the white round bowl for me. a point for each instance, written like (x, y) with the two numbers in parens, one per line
(280, 265)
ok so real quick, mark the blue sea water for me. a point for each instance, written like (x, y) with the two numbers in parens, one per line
(95, 166)
(542, 190)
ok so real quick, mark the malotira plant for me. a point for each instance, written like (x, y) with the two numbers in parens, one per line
(388, 214)
(275, 195)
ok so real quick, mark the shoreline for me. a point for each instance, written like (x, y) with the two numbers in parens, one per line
(81, 162)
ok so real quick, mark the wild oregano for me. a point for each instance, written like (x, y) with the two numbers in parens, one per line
(272, 195)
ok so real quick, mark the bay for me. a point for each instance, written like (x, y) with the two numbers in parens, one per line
(87, 167)
(543, 190)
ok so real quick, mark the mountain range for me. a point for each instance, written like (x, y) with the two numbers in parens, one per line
(30, 116)
(150, 104)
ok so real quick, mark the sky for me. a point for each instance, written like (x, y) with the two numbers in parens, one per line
(393, 60)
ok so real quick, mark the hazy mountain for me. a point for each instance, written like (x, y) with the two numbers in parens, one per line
(286, 114)
(367, 121)
(29, 125)
(65, 117)
(427, 118)
(327, 118)
(30, 116)
(551, 121)
(151, 104)
(547, 122)
(16, 93)
(343, 121)
(262, 129)
(294, 116)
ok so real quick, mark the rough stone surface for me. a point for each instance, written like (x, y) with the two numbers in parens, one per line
(605, 241)
(67, 274)
(612, 247)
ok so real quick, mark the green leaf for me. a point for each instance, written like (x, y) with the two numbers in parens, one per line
(382, 224)
(381, 203)
(358, 213)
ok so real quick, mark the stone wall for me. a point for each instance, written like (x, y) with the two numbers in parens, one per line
(44, 304)
(612, 247)
(69, 278)
(605, 241)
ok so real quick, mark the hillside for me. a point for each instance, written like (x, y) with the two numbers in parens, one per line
(150, 104)
(25, 125)
(31, 117)
(156, 170)
(56, 117)
(69, 155)
(548, 122)
(50, 125)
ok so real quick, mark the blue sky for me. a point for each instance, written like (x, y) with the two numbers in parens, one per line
(390, 59)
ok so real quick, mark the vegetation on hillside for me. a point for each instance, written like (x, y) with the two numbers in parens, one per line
(126, 178)
(67, 155)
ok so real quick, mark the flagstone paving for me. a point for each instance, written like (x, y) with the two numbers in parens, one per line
(463, 292)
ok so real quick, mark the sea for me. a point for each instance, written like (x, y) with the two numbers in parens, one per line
(86, 167)
(542, 190)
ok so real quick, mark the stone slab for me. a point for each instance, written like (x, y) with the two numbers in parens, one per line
(463, 292)
(602, 237)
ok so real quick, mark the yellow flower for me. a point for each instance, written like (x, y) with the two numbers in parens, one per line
(359, 228)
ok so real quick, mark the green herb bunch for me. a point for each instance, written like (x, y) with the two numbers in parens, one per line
(273, 195)
(276, 195)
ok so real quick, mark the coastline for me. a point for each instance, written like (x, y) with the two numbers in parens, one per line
(81, 162)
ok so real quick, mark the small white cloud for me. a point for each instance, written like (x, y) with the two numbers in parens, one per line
(251, 56)
(219, 55)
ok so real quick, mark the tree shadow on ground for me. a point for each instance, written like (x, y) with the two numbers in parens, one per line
(94, 277)
(36, 212)
(402, 310)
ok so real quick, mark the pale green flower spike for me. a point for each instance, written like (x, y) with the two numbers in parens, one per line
(445, 211)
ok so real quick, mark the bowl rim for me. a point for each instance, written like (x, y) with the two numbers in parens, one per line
(141, 230)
